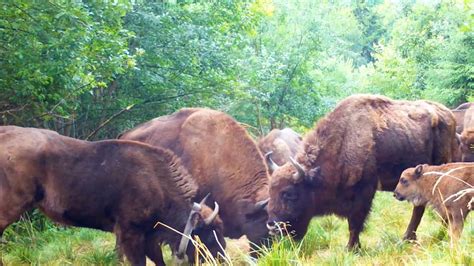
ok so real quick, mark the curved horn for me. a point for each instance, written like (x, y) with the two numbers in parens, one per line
(271, 164)
(213, 215)
(203, 201)
(298, 167)
(458, 138)
(262, 204)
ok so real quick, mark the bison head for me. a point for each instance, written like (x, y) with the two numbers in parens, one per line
(291, 198)
(408, 186)
(467, 145)
(204, 223)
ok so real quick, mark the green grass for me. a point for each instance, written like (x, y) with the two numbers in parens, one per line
(37, 242)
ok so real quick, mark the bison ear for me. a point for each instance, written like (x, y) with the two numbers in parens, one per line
(419, 171)
(314, 176)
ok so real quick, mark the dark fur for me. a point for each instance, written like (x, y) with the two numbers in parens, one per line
(123, 187)
(361, 146)
(222, 158)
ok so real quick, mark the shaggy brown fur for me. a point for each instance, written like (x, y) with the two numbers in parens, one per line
(123, 187)
(283, 143)
(459, 114)
(222, 158)
(442, 187)
(467, 137)
(361, 146)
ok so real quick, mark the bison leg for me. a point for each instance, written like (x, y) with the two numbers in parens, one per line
(11, 208)
(153, 250)
(356, 225)
(132, 243)
(415, 220)
(455, 227)
(357, 217)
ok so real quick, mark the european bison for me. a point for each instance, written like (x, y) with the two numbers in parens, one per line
(282, 144)
(467, 137)
(361, 146)
(459, 113)
(123, 187)
(224, 161)
(445, 187)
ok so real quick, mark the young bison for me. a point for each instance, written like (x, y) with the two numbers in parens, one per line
(123, 187)
(446, 187)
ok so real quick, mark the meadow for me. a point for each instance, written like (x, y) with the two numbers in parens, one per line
(36, 241)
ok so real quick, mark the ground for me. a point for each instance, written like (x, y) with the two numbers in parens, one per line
(324, 244)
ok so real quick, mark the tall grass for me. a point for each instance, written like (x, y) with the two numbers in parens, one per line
(324, 243)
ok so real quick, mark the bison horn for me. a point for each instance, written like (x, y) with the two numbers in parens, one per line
(262, 204)
(213, 215)
(203, 201)
(298, 167)
(271, 164)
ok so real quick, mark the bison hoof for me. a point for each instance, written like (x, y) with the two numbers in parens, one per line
(354, 247)
(409, 237)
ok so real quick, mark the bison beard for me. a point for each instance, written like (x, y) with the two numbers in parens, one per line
(362, 146)
(123, 187)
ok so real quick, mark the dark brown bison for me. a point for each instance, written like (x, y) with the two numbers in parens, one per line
(448, 188)
(281, 144)
(361, 146)
(224, 161)
(123, 187)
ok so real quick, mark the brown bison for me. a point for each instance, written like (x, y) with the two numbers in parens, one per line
(281, 144)
(361, 146)
(224, 161)
(467, 137)
(446, 187)
(459, 113)
(123, 187)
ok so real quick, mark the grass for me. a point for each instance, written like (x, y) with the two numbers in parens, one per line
(36, 242)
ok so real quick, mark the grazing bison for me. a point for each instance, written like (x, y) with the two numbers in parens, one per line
(445, 187)
(361, 146)
(123, 187)
(224, 161)
(467, 137)
(282, 144)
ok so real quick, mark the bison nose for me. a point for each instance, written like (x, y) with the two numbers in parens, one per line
(398, 196)
(271, 225)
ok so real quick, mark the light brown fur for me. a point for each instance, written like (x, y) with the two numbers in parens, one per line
(466, 146)
(283, 143)
(417, 185)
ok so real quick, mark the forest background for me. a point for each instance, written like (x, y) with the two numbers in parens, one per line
(91, 69)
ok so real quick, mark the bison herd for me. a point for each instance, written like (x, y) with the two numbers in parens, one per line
(156, 173)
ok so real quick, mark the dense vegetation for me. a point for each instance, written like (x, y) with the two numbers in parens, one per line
(90, 69)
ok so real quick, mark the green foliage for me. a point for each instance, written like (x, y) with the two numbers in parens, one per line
(53, 52)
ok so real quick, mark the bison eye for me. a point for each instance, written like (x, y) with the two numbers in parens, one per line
(403, 181)
(289, 195)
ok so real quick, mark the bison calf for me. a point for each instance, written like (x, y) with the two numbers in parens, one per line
(446, 187)
(118, 186)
